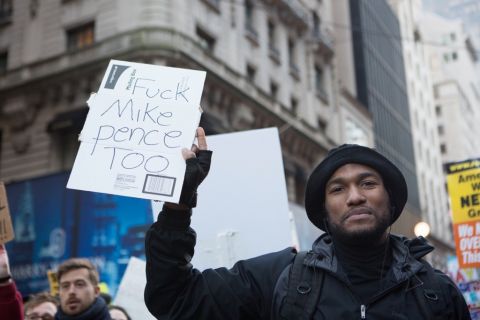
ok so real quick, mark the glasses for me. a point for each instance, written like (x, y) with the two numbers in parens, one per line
(36, 316)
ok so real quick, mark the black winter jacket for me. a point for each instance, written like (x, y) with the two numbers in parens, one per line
(256, 288)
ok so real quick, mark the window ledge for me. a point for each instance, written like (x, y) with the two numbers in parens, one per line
(274, 54)
(213, 4)
(252, 35)
(294, 71)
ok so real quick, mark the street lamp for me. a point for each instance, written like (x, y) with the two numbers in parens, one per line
(422, 229)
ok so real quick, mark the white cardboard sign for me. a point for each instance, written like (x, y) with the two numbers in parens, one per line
(138, 123)
(130, 291)
(242, 209)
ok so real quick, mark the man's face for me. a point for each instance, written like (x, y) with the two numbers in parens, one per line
(357, 204)
(43, 311)
(77, 292)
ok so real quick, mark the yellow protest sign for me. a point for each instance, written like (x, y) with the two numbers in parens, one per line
(463, 180)
(53, 282)
(6, 229)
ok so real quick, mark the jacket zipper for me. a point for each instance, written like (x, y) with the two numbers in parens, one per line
(363, 311)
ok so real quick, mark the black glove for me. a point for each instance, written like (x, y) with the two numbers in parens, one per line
(195, 172)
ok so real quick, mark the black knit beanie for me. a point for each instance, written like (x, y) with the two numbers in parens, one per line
(393, 179)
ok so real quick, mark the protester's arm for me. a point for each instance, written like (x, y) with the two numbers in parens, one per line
(11, 305)
(175, 290)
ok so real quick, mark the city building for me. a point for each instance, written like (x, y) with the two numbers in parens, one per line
(429, 166)
(370, 68)
(269, 63)
(466, 10)
(453, 61)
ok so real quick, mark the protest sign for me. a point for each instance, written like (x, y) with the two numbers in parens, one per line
(6, 228)
(53, 282)
(130, 291)
(463, 179)
(138, 122)
(244, 195)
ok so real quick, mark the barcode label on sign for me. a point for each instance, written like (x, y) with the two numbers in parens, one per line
(160, 185)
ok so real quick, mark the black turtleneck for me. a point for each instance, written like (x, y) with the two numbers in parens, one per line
(366, 266)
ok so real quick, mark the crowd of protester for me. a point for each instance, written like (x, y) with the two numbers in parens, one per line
(79, 296)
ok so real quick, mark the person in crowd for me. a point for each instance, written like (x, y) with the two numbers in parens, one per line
(11, 303)
(356, 269)
(118, 313)
(79, 292)
(41, 306)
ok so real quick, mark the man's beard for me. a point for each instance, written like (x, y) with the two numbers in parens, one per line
(360, 237)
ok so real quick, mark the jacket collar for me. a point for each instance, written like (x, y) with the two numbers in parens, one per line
(405, 255)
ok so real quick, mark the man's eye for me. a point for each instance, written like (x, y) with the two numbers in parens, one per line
(336, 189)
(369, 183)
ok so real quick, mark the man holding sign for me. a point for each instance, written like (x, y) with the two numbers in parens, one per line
(356, 269)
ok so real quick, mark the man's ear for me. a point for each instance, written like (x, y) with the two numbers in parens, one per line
(97, 290)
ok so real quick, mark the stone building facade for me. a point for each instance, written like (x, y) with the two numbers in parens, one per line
(269, 63)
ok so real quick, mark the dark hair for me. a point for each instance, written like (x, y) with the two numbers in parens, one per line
(78, 263)
(39, 298)
(114, 307)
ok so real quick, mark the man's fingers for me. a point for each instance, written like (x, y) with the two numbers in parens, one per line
(187, 154)
(201, 139)
(195, 149)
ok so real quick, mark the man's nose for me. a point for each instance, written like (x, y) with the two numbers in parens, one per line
(71, 290)
(355, 196)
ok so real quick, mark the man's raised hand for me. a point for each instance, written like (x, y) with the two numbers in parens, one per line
(198, 164)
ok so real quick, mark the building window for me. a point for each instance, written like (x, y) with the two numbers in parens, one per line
(3, 62)
(207, 41)
(316, 24)
(354, 133)
(300, 183)
(274, 53)
(273, 89)
(294, 71)
(322, 124)
(252, 33)
(454, 56)
(6, 10)
(319, 83)
(443, 148)
(294, 105)
(441, 130)
(64, 129)
(251, 72)
(438, 110)
(81, 37)
(446, 57)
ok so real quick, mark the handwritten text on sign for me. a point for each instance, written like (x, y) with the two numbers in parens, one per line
(138, 122)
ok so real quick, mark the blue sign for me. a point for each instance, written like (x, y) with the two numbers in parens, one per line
(53, 223)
